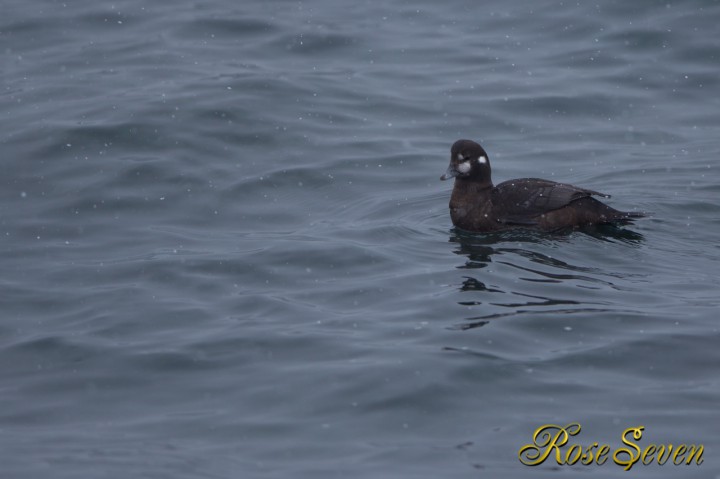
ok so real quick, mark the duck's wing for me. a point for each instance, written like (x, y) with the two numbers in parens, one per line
(521, 201)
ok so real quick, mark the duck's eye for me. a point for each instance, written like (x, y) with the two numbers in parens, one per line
(460, 157)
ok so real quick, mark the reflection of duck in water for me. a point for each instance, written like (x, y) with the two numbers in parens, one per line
(477, 205)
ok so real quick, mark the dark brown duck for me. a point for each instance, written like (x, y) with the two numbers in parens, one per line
(477, 205)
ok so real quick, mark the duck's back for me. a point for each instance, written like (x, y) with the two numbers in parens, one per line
(532, 196)
(549, 205)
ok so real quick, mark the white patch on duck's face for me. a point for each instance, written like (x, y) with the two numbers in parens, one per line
(460, 157)
(464, 167)
(482, 160)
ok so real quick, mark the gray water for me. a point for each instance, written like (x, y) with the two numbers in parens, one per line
(226, 252)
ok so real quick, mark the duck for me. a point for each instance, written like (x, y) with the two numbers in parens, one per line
(477, 205)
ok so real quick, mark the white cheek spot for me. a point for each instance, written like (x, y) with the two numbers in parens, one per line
(482, 160)
(460, 157)
(464, 167)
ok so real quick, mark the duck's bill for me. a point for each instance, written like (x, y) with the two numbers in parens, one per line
(450, 173)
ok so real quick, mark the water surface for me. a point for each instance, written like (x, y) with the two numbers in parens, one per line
(226, 251)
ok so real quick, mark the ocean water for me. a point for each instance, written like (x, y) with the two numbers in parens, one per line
(226, 252)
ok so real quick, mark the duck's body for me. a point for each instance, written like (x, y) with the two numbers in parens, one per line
(477, 205)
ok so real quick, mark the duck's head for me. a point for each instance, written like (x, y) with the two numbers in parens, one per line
(468, 161)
